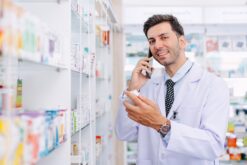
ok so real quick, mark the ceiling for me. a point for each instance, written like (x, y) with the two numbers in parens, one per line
(184, 2)
(202, 3)
(187, 11)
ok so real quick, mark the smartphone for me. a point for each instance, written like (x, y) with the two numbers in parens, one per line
(149, 53)
(147, 73)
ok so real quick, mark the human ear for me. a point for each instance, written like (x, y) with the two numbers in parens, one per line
(182, 42)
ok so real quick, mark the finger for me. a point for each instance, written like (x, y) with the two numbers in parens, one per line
(140, 69)
(129, 107)
(134, 98)
(144, 63)
(144, 59)
(147, 59)
(147, 101)
(130, 112)
(132, 117)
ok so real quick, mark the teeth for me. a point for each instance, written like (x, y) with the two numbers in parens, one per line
(162, 52)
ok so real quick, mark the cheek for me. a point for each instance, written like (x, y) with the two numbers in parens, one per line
(152, 50)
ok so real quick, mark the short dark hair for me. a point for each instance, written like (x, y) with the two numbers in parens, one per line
(159, 18)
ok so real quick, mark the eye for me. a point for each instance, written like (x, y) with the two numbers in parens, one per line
(151, 42)
(164, 37)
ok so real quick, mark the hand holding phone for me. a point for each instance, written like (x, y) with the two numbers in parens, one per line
(141, 73)
(148, 72)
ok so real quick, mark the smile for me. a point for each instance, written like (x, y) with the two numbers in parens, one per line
(162, 52)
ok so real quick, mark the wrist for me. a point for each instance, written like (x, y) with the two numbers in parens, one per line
(161, 122)
(129, 89)
(132, 89)
(165, 128)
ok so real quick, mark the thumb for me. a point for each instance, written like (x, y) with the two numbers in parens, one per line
(147, 101)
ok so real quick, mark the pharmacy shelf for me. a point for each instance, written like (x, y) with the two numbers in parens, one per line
(36, 61)
(79, 72)
(81, 129)
(233, 162)
(78, 159)
(52, 151)
(27, 62)
(49, 159)
(72, 85)
(32, 63)
(132, 161)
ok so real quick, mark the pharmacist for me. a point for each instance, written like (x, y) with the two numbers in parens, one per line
(180, 117)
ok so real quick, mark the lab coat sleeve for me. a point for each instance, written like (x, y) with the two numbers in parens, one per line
(125, 128)
(207, 141)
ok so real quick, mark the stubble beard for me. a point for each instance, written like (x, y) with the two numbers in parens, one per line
(173, 60)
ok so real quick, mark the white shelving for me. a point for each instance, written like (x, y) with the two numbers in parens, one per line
(65, 80)
(36, 56)
(82, 60)
(104, 121)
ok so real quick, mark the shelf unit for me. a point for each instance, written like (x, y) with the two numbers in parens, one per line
(104, 120)
(82, 82)
(35, 73)
(62, 81)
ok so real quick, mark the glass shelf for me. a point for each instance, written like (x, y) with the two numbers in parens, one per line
(32, 63)
(82, 128)
(233, 162)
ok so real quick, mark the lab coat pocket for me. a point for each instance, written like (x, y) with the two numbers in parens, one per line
(144, 162)
(189, 115)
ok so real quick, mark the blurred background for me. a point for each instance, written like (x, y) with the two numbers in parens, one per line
(64, 64)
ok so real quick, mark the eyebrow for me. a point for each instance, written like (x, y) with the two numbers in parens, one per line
(158, 35)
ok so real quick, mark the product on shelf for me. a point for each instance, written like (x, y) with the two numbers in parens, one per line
(106, 37)
(24, 36)
(232, 141)
(79, 155)
(81, 115)
(1, 39)
(19, 94)
(75, 57)
(75, 150)
(212, 44)
(236, 138)
(31, 136)
(103, 35)
(1, 99)
(98, 145)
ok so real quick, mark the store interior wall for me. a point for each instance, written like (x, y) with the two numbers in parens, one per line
(118, 76)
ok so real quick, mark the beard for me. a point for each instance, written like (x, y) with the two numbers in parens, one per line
(172, 58)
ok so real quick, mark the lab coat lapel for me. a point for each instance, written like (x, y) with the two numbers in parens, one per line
(194, 75)
(159, 94)
(181, 94)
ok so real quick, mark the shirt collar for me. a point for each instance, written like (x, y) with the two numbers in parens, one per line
(181, 71)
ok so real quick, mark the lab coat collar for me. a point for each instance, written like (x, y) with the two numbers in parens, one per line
(194, 74)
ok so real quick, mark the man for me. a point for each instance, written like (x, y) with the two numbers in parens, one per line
(180, 117)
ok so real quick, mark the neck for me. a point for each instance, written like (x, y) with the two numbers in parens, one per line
(173, 68)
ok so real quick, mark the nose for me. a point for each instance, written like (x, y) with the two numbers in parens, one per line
(158, 44)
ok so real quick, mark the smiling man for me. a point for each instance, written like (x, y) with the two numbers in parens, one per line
(180, 116)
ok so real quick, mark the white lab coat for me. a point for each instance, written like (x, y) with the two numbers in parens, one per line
(197, 135)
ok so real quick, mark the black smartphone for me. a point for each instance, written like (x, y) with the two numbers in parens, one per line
(147, 73)
(149, 53)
